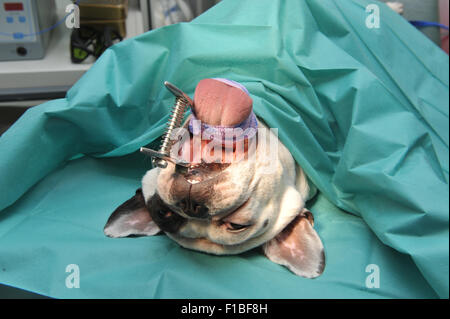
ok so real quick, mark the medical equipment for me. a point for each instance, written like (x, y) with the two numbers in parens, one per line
(25, 28)
(182, 102)
(86, 41)
(103, 14)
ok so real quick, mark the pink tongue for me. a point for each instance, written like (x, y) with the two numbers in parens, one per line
(220, 104)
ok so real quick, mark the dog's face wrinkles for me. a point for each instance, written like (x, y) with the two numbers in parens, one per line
(228, 207)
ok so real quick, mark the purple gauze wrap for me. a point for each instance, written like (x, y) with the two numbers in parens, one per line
(246, 129)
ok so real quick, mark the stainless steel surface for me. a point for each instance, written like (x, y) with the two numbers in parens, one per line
(152, 153)
(182, 102)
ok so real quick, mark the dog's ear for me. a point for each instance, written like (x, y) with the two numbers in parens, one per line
(131, 218)
(298, 247)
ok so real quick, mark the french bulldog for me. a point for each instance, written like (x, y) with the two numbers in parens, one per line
(228, 207)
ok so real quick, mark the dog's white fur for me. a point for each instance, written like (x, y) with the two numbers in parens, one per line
(276, 198)
(265, 191)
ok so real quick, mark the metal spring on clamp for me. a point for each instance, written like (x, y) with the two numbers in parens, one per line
(182, 102)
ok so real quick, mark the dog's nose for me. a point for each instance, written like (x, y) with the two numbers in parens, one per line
(203, 172)
(193, 209)
(194, 176)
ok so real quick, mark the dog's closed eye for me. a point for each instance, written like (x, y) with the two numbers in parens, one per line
(234, 228)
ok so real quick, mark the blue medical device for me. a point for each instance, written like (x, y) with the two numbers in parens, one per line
(25, 28)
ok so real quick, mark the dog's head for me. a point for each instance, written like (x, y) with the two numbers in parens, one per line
(230, 207)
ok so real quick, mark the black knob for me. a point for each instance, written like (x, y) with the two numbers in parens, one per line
(21, 51)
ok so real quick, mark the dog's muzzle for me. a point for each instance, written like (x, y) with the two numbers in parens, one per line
(192, 189)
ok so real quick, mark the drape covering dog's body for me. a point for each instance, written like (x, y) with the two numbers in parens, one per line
(364, 111)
